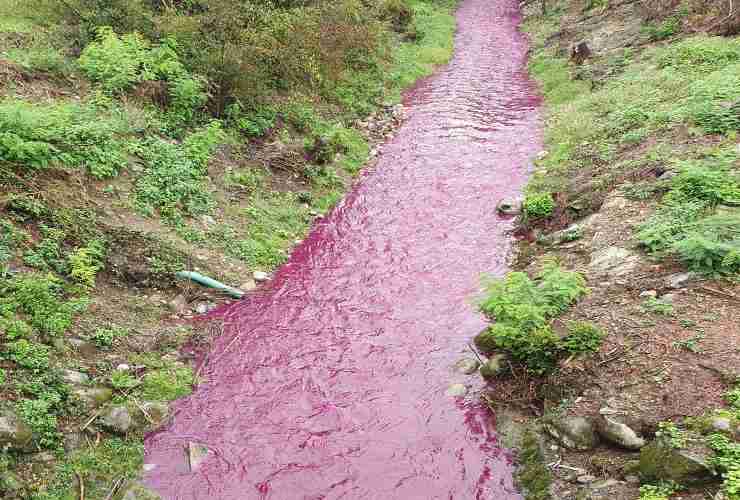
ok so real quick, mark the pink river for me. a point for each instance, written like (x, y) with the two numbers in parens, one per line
(331, 382)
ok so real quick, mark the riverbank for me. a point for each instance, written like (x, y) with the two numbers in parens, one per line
(107, 192)
(637, 190)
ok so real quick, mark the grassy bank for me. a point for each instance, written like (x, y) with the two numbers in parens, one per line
(638, 190)
(128, 154)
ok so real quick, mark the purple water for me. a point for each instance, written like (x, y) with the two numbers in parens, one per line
(331, 383)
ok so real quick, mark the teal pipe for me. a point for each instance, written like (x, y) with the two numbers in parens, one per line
(211, 283)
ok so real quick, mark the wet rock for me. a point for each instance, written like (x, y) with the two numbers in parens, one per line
(197, 453)
(14, 433)
(649, 293)
(616, 432)
(75, 378)
(660, 461)
(576, 433)
(93, 397)
(614, 261)
(496, 365)
(457, 390)
(201, 308)
(118, 419)
(260, 276)
(133, 490)
(467, 366)
(509, 206)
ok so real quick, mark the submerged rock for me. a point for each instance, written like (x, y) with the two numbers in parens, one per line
(260, 276)
(457, 390)
(197, 453)
(661, 461)
(576, 433)
(14, 433)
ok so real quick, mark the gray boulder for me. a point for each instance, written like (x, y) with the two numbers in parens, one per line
(575, 433)
(14, 433)
(614, 261)
(467, 366)
(613, 430)
(118, 419)
(691, 466)
(509, 206)
(93, 397)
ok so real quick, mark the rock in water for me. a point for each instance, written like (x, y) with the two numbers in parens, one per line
(197, 453)
(509, 206)
(457, 390)
(576, 433)
(467, 366)
(14, 433)
(661, 461)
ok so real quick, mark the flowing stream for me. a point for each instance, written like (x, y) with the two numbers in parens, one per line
(332, 381)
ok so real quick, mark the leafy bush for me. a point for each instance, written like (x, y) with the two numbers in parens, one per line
(40, 415)
(85, 262)
(583, 337)
(105, 337)
(122, 380)
(700, 54)
(522, 308)
(36, 136)
(168, 384)
(538, 205)
(41, 299)
(691, 224)
(174, 179)
(28, 354)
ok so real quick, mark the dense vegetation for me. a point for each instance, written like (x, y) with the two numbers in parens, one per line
(222, 127)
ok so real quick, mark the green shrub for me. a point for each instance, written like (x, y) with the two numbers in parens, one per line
(657, 306)
(700, 54)
(106, 337)
(522, 309)
(665, 29)
(40, 415)
(538, 205)
(85, 262)
(168, 384)
(28, 354)
(122, 380)
(41, 299)
(583, 337)
(174, 181)
(38, 136)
